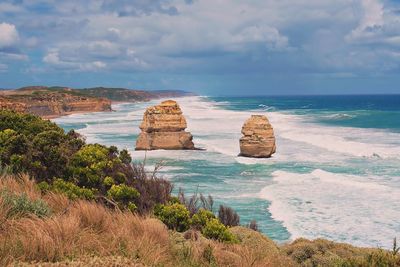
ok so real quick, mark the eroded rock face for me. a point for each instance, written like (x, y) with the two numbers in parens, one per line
(49, 104)
(258, 139)
(163, 127)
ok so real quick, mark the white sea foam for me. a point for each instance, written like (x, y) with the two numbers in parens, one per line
(335, 206)
(219, 130)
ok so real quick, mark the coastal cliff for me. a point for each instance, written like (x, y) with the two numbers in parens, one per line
(49, 103)
(163, 127)
(258, 139)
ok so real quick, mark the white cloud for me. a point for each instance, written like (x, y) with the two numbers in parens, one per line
(210, 35)
(53, 58)
(8, 35)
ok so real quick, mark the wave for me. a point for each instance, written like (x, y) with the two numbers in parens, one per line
(336, 206)
(339, 116)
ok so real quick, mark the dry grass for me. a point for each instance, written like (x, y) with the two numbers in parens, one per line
(83, 233)
(76, 229)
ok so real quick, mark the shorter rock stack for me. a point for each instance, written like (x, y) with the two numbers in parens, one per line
(163, 127)
(258, 139)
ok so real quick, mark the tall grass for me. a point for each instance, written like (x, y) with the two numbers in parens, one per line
(85, 233)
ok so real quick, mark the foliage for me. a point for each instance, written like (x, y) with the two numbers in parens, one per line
(214, 229)
(21, 205)
(71, 190)
(200, 219)
(196, 202)
(62, 162)
(124, 195)
(153, 190)
(38, 147)
(175, 216)
(253, 225)
(228, 216)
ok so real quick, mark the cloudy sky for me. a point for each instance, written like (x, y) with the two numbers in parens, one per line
(216, 47)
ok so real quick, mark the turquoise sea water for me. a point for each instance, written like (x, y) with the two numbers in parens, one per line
(336, 173)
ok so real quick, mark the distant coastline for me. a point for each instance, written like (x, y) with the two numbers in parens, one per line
(53, 102)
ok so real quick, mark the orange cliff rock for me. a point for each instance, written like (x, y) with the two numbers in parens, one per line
(258, 139)
(163, 127)
(49, 104)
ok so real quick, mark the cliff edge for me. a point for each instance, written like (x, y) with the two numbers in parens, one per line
(49, 102)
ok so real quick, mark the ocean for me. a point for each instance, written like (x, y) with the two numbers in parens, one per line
(335, 175)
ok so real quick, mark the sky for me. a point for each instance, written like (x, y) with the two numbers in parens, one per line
(211, 47)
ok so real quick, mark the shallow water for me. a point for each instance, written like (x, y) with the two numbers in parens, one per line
(336, 173)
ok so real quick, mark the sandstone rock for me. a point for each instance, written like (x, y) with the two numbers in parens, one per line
(51, 104)
(258, 139)
(163, 127)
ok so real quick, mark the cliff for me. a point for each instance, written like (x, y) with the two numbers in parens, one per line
(258, 139)
(51, 102)
(163, 127)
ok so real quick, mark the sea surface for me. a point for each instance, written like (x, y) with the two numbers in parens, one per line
(335, 175)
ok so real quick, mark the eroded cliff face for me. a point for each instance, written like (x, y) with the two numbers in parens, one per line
(258, 139)
(50, 104)
(163, 127)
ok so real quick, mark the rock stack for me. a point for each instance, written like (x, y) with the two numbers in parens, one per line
(258, 139)
(163, 127)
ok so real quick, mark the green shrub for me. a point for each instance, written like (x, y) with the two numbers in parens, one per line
(108, 181)
(71, 190)
(21, 205)
(214, 229)
(132, 206)
(200, 219)
(122, 193)
(44, 186)
(175, 216)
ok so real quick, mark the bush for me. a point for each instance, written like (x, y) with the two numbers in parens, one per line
(174, 216)
(66, 164)
(21, 205)
(200, 219)
(253, 225)
(228, 216)
(124, 195)
(71, 190)
(214, 229)
(196, 202)
(153, 190)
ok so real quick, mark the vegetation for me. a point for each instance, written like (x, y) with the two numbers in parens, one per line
(64, 163)
(175, 216)
(85, 233)
(214, 229)
(228, 216)
(19, 205)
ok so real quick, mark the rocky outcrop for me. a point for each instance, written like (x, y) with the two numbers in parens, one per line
(163, 127)
(258, 139)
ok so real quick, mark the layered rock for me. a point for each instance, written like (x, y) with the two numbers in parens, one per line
(163, 127)
(258, 139)
(51, 103)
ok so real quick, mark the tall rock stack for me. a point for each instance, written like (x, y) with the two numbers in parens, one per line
(163, 127)
(258, 139)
